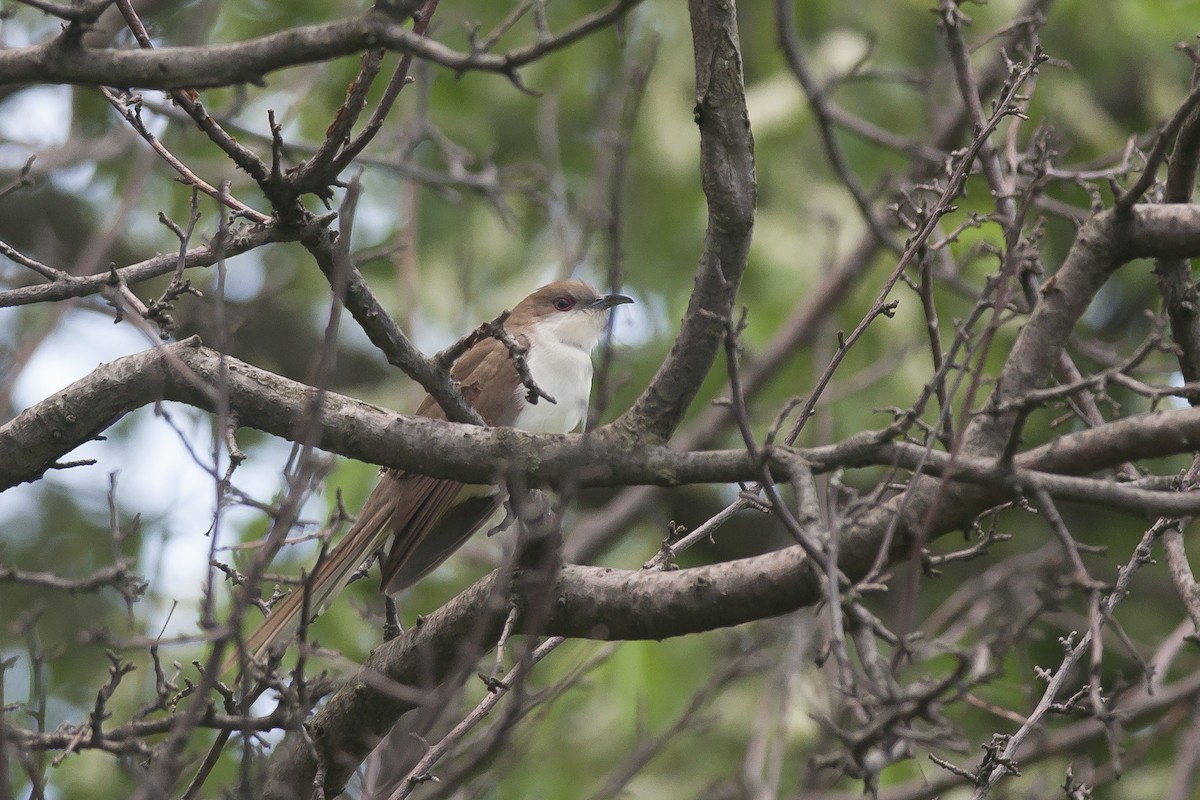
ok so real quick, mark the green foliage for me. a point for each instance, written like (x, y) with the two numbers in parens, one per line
(472, 255)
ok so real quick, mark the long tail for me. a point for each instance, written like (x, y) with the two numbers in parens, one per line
(401, 505)
(319, 589)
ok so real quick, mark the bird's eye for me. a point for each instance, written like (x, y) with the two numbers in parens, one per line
(564, 303)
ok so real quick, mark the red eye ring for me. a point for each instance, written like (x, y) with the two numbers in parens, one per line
(564, 303)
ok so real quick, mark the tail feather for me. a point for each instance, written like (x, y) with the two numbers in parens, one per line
(405, 506)
(331, 574)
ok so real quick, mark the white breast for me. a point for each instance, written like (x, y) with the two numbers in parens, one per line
(563, 370)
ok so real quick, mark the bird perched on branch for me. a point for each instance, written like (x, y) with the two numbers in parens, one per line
(428, 518)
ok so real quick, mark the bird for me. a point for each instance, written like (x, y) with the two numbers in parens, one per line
(429, 518)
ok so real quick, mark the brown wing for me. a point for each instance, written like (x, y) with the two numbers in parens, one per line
(488, 380)
(453, 510)
(396, 495)
(436, 536)
(409, 507)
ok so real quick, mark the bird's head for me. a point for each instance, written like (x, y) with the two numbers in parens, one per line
(570, 311)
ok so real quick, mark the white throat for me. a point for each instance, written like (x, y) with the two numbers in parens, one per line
(560, 362)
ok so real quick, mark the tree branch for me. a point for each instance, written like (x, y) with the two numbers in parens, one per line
(587, 602)
(727, 170)
(61, 61)
(185, 372)
(238, 241)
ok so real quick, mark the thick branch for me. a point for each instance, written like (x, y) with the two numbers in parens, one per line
(727, 170)
(57, 61)
(588, 602)
(1103, 244)
(1175, 282)
(186, 372)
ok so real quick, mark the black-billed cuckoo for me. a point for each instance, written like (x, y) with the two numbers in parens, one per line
(430, 518)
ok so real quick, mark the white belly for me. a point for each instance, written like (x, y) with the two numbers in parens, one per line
(565, 373)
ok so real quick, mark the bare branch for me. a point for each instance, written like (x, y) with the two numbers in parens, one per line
(727, 170)
(250, 61)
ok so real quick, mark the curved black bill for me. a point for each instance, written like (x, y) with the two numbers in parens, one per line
(609, 300)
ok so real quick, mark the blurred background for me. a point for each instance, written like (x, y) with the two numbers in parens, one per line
(477, 192)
